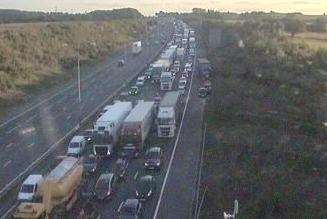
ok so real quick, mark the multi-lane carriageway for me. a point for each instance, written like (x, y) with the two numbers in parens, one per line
(177, 181)
(31, 132)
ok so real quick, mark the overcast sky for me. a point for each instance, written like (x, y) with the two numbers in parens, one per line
(149, 7)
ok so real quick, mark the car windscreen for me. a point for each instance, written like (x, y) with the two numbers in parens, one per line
(128, 210)
(27, 188)
(152, 154)
(74, 145)
(101, 185)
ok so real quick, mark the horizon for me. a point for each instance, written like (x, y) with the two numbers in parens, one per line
(150, 7)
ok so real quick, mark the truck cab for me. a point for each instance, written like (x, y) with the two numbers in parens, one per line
(28, 190)
(166, 81)
(76, 146)
(182, 85)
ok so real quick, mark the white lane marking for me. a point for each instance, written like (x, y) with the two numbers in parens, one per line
(174, 150)
(9, 145)
(31, 145)
(31, 118)
(54, 95)
(136, 174)
(197, 208)
(53, 146)
(201, 203)
(69, 117)
(6, 164)
(12, 129)
(10, 210)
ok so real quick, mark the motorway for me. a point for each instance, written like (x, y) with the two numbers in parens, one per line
(32, 131)
(177, 181)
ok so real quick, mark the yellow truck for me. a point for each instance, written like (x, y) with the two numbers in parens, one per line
(58, 192)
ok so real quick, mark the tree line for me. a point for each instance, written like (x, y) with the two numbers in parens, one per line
(18, 16)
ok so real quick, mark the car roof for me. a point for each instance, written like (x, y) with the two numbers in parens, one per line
(154, 149)
(106, 176)
(77, 138)
(120, 161)
(146, 177)
(135, 87)
(141, 77)
(33, 179)
(131, 202)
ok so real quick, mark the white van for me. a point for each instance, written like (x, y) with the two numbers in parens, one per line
(76, 146)
(28, 190)
(140, 81)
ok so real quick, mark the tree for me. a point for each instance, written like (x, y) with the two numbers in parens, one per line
(294, 26)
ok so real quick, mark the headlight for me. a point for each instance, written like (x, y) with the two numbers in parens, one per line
(146, 164)
(158, 163)
(136, 192)
(150, 192)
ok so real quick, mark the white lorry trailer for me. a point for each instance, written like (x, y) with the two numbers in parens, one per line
(169, 55)
(168, 114)
(157, 68)
(166, 81)
(136, 127)
(180, 54)
(107, 128)
(192, 42)
(136, 47)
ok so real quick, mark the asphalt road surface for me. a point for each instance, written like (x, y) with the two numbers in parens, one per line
(31, 132)
(180, 186)
(176, 189)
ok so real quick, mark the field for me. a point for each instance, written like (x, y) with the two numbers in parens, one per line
(312, 39)
(32, 54)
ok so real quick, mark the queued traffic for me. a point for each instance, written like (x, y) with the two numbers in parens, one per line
(135, 126)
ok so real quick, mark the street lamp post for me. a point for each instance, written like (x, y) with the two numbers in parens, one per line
(79, 76)
(227, 216)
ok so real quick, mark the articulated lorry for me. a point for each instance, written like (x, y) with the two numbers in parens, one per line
(107, 128)
(136, 127)
(58, 192)
(157, 68)
(192, 42)
(168, 114)
(180, 53)
(166, 81)
(169, 54)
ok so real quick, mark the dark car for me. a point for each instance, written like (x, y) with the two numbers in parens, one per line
(87, 191)
(105, 186)
(145, 188)
(90, 164)
(121, 167)
(131, 208)
(134, 91)
(90, 211)
(203, 92)
(153, 158)
(129, 152)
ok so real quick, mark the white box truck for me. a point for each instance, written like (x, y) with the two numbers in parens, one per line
(157, 68)
(107, 128)
(136, 47)
(166, 81)
(135, 128)
(180, 53)
(169, 54)
(168, 114)
(184, 43)
(192, 42)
